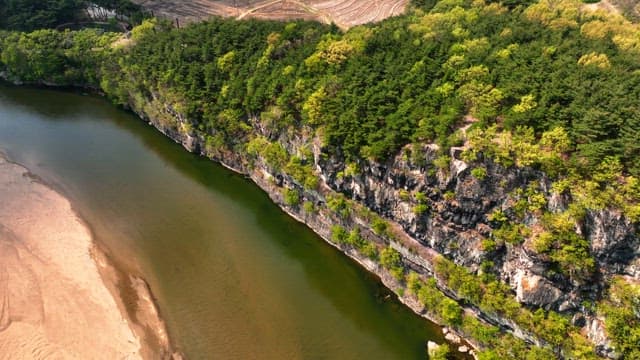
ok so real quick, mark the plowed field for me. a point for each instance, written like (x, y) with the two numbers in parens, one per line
(344, 13)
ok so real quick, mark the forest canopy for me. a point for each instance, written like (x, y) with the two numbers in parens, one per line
(546, 85)
(376, 88)
(415, 78)
(28, 15)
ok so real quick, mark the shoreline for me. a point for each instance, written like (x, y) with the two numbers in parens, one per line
(61, 295)
(137, 305)
(452, 337)
(455, 340)
(192, 145)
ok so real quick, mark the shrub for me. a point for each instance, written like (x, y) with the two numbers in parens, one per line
(621, 317)
(497, 216)
(483, 333)
(488, 245)
(449, 195)
(338, 204)
(403, 195)
(442, 162)
(309, 207)
(479, 173)
(420, 209)
(339, 234)
(354, 238)
(379, 226)
(391, 260)
(275, 156)
(291, 197)
(440, 353)
(369, 250)
(511, 233)
(413, 282)
(302, 173)
(450, 312)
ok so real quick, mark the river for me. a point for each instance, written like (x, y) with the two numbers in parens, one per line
(234, 277)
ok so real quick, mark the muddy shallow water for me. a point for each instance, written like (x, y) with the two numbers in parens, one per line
(234, 277)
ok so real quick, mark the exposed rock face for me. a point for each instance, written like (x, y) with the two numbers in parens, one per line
(613, 243)
(432, 348)
(455, 218)
(535, 290)
(459, 219)
(452, 216)
(597, 334)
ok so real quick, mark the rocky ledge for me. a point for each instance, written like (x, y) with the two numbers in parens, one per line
(453, 216)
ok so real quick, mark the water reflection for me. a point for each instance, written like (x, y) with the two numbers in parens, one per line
(234, 276)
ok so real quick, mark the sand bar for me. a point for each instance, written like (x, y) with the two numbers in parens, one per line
(54, 303)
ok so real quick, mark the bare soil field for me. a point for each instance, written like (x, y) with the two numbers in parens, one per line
(630, 8)
(605, 5)
(344, 13)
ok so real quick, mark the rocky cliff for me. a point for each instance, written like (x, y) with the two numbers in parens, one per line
(435, 211)
(526, 218)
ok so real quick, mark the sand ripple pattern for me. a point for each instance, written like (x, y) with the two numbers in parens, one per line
(53, 302)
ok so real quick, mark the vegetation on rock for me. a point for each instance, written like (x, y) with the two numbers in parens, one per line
(29, 15)
(543, 86)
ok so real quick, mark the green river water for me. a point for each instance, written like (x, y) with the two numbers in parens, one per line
(234, 277)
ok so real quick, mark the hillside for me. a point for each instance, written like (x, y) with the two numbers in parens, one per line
(344, 13)
(481, 157)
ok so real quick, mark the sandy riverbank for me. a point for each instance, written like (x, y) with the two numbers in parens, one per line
(57, 289)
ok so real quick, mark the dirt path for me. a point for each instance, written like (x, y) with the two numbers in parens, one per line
(344, 13)
(257, 8)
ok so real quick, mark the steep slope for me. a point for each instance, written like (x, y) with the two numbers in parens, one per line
(483, 160)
